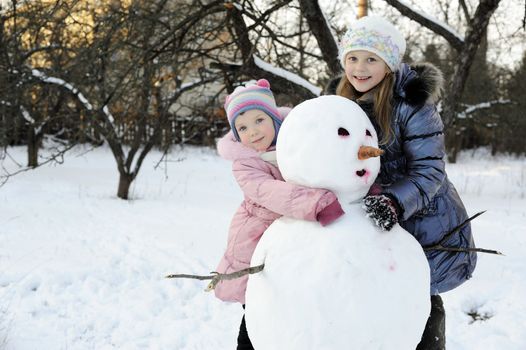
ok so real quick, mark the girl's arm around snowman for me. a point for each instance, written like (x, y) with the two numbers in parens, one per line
(255, 178)
(423, 146)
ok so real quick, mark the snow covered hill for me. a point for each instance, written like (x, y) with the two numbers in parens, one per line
(82, 269)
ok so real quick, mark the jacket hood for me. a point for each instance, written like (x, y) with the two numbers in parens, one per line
(230, 149)
(419, 83)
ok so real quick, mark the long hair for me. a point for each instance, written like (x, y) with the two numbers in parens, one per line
(382, 106)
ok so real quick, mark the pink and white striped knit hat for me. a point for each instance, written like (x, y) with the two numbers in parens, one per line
(252, 96)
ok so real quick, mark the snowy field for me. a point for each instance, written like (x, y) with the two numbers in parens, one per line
(82, 269)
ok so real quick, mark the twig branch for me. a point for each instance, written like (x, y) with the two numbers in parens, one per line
(216, 277)
(56, 157)
(465, 250)
(440, 245)
(459, 227)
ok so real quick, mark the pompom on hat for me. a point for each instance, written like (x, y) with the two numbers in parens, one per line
(377, 35)
(252, 96)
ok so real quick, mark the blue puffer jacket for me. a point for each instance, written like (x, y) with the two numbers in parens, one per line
(413, 172)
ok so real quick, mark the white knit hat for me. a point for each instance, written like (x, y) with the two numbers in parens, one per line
(376, 35)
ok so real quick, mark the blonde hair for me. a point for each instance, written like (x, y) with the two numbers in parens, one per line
(382, 105)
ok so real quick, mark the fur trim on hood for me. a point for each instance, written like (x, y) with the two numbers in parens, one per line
(230, 149)
(425, 86)
(417, 84)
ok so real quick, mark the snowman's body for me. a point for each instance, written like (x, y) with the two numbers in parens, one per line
(344, 286)
(348, 285)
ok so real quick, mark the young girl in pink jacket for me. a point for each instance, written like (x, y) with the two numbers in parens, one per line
(255, 121)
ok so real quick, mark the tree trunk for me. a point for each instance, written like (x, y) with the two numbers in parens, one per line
(466, 53)
(312, 12)
(125, 181)
(33, 145)
(454, 143)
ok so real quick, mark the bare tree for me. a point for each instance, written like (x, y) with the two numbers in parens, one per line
(465, 47)
(33, 34)
(130, 73)
(136, 66)
(509, 136)
(252, 65)
(139, 59)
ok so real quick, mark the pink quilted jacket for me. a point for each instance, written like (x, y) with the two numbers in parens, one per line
(267, 197)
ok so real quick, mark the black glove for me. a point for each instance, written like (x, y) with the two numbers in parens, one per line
(382, 209)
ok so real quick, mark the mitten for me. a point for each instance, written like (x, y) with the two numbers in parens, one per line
(382, 209)
(330, 213)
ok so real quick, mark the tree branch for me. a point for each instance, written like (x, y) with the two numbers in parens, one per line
(217, 277)
(250, 68)
(464, 250)
(456, 41)
(311, 11)
(470, 109)
(440, 245)
(476, 29)
(465, 9)
(56, 157)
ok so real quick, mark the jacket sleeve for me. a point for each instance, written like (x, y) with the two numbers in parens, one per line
(423, 146)
(255, 178)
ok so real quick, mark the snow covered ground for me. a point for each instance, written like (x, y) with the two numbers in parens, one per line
(82, 269)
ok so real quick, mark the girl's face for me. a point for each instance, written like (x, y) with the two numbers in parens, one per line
(255, 129)
(364, 70)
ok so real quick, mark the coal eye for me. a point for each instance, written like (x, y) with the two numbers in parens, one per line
(343, 132)
(367, 132)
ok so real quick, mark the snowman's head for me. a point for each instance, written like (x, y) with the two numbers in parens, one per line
(319, 144)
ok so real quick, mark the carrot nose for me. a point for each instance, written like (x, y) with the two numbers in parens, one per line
(366, 152)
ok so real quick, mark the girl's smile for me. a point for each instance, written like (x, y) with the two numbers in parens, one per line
(258, 140)
(364, 70)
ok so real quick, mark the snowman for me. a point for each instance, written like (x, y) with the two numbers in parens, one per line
(348, 285)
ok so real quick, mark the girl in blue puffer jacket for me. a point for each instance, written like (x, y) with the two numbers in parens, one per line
(414, 188)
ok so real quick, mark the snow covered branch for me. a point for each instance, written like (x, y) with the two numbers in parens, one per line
(216, 277)
(77, 93)
(470, 109)
(440, 28)
(30, 120)
(297, 88)
(184, 87)
(60, 82)
(280, 72)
